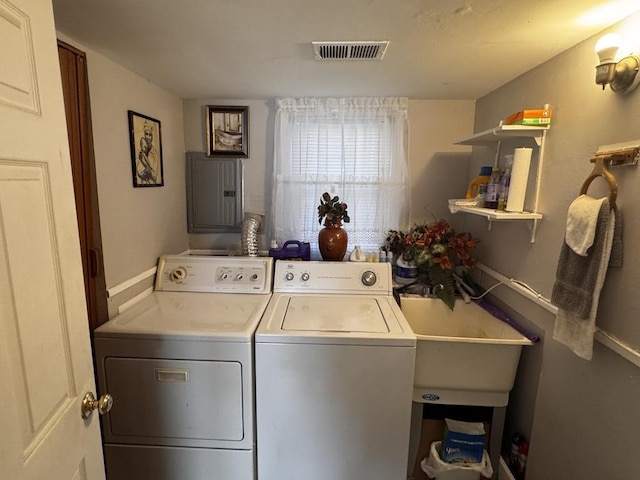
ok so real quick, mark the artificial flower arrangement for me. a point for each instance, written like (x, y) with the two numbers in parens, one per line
(438, 251)
(333, 209)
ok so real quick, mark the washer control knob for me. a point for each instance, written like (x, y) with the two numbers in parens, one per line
(178, 275)
(254, 277)
(289, 276)
(240, 276)
(224, 276)
(304, 277)
(369, 278)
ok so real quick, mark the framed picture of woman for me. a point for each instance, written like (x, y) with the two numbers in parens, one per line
(146, 150)
(227, 131)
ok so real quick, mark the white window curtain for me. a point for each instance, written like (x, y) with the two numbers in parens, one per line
(354, 148)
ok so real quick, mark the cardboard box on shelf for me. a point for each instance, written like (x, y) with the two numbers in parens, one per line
(534, 122)
(530, 117)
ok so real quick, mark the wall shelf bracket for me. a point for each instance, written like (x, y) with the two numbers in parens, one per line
(534, 228)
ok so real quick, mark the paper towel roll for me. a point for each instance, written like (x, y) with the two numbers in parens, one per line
(519, 178)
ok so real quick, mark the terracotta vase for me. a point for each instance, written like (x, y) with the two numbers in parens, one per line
(332, 241)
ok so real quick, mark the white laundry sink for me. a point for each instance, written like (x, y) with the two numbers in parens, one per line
(463, 357)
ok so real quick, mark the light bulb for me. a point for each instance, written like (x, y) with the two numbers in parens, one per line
(621, 75)
(607, 47)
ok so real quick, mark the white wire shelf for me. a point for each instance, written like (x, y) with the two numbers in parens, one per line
(504, 132)
(498, 215)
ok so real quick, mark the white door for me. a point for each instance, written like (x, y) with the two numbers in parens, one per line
(45, 355)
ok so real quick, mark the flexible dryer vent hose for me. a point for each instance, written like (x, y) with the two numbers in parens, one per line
(250, 228)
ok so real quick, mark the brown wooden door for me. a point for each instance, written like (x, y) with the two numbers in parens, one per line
(73, 66)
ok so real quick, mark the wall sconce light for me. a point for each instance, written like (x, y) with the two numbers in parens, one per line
(621, 76)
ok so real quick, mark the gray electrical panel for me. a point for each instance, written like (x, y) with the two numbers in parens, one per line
(214, 194)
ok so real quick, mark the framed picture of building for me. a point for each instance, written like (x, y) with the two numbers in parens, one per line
(227, 131)
(146, 150)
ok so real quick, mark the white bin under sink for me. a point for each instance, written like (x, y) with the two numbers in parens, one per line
(463, 357)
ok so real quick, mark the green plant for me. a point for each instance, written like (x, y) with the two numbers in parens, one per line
(334, 210)
(437, 250)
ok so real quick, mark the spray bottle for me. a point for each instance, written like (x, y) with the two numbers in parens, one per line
(493, 189)
(505, 182)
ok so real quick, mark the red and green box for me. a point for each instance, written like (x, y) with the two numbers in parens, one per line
(530, 117)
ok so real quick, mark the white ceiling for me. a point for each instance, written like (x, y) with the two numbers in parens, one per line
(440, 49)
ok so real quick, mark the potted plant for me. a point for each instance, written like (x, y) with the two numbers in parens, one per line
(438, 251)
(333, 210)
(332, 239)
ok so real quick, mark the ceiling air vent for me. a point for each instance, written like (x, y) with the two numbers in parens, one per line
(350, 50)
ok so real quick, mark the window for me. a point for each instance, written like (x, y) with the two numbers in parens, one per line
(350, 147)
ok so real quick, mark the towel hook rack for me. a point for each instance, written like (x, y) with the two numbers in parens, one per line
(601, 170)
(628, 155)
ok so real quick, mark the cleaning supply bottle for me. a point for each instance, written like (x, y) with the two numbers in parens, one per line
(357, 255)
(493, 188)
(405, 272)
(522, 459)
(516, 440)
(505, 182)
(482, 195)
(473, 190)
(273, 249)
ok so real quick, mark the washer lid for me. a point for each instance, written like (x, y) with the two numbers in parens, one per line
(197, 316)
(334, 320)
(334, 314)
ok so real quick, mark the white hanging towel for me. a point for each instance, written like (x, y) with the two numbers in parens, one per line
(579, 281)
(582, 219)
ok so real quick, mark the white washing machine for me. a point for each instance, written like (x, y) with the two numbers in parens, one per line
(179, 365)
(334, 375)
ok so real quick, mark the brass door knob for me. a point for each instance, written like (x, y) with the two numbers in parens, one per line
(89, 404)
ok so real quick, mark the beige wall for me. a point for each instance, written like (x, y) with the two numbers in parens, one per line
(257, 176)
(583, 415)
(138, 224)
(438, 169)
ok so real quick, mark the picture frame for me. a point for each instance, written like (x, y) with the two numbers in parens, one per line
(227, 131)
(145, 137)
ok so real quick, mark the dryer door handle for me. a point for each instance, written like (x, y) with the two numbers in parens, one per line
(172, 375)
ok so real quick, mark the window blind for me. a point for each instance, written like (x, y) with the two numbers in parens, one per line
(353, 148)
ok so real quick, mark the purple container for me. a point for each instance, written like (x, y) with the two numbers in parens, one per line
(292, 250)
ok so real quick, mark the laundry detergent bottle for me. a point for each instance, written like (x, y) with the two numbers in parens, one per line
(473, 190)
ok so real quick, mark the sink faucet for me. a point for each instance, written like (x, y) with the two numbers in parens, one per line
(465, 296)
(463, 289)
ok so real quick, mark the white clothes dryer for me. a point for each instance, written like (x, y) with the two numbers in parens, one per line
(334, 375)
(179, 365)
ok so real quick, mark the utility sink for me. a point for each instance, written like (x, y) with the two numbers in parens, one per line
(463, 357)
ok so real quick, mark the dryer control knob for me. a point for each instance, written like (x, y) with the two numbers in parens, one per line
(369, 278)
(289, 276)
(304, 277)
(178, 275)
